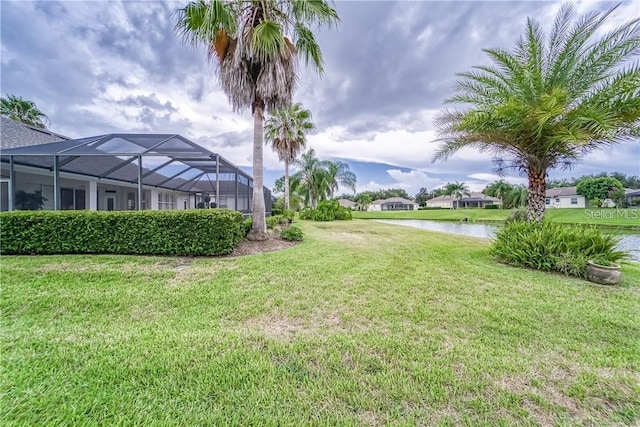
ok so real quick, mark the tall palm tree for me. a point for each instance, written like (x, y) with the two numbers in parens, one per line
(255, 44)
(549, 100)
(24, 111)
(286, 131)
(339, 174)
(312, 181)
(457, 190)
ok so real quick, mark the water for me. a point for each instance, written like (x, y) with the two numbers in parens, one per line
(628, 242)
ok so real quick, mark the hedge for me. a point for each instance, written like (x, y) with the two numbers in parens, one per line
(178, 232)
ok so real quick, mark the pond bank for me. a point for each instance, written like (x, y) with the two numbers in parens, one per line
(629, 242)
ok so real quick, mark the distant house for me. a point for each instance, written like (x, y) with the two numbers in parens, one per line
(564, 197)
(393, 204)
(347, 203)
(473, 200)
(632, 197)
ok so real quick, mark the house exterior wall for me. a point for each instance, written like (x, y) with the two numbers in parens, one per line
(397, 207)
(562, 202)
(124, 196)
(439, 204)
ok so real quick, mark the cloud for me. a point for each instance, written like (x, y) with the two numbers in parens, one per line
(100, 67)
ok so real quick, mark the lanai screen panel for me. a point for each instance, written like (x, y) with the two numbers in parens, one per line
(163, 160)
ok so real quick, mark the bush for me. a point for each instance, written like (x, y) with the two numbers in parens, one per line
(178, 232)
(429, 208)
(247, 224)
(554, 247)
(272, 221)
(288, 215)
(306, 213)
(327, 210)
(517, 215)
(491, 206)
(276, 211)
(292, 234)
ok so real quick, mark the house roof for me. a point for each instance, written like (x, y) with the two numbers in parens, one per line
(473, 197)
(15, 134)
(394, 200)
(561, 192)
(346, 203)
(168, 160)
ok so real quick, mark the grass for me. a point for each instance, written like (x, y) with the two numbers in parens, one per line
(607, 218)
(362, 324)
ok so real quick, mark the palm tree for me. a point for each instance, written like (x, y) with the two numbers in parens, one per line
(339, 174)
(255, 44)
(499, 189)
(312, 181)
(550, 100)
(23, 111)
(363, 200)
(517, 197)
(285, 131)
(457, 189)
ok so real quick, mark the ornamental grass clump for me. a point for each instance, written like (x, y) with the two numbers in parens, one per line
(553, 247)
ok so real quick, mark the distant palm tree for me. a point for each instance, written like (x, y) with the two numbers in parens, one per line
(286, 131)
(550, 100)
(312, 181)
(23, 111)
(500, 190)
(339, 174)
(363, 200)
(457, 190)
(517, 197)
(255, 44)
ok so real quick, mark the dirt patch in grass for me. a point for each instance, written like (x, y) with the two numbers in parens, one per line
(272, 244)
(96, 264)
(286, 328)
(545, 393)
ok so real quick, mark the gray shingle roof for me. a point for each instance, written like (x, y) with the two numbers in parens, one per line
(15, 134)
(561, 191)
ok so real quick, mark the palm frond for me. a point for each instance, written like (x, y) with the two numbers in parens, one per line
(309, 48)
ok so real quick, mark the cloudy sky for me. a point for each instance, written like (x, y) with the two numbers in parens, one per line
(107, 66)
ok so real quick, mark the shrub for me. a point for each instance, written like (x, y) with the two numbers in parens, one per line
(491, 206)
(292, 234)
(178, 232)
(429, 208)
(306, 213)
(247, 224)
(517, 215)
(554, 247)
(276, 211)
(272, 221)
(288, 215)
(330, 210)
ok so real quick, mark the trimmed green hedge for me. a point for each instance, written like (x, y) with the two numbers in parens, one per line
(178, 232)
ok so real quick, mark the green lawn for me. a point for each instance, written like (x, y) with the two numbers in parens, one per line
(621, 218)
(362, 324)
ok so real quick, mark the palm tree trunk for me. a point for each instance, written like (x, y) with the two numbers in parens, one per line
(286, 184)
(537, 190)
(259, 228)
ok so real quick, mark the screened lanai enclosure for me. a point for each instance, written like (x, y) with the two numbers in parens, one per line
(123, 172)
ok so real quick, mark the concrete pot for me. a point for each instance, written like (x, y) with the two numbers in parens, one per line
(603, 275)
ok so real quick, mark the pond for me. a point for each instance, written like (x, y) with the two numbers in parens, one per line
(629, 242)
